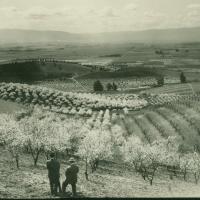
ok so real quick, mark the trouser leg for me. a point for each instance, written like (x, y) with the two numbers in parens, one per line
(59, 186)
(55, 187)
(73, 189)
(64, 185)
(51, 186)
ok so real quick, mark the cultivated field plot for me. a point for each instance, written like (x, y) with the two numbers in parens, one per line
(61, 51)
(66, 85)
(182, 89)
(109, 133)
(177, 119)
(86, 85)
(181, 54)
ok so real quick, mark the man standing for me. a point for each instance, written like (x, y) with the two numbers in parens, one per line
(71, 176)
(53, 167)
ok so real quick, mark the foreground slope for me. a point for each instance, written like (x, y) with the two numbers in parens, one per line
(107, 181)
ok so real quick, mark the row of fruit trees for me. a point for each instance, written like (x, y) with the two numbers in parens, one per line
(82, 103)
(36, 132)
(160, 99)
(67, 102)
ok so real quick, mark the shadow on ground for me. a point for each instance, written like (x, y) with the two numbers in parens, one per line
(69, 194)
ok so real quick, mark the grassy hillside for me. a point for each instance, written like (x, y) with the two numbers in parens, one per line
(108, 181)
(9, 107)
(31, 71)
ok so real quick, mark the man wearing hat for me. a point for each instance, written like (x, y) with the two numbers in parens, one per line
(53, 167)
(71, 176)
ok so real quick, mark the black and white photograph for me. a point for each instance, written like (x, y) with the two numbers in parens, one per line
(99, 99)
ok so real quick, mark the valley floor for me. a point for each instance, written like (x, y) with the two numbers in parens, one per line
(31, 182)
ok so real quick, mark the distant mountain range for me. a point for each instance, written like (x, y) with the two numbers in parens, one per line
(178, 35)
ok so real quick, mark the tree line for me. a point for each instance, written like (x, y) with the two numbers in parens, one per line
(161, 81)
(98, 86)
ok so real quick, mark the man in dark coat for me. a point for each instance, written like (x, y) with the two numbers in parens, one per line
(71, 176)
(53, 167)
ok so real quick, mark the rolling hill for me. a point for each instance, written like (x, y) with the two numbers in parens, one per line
(31, 71)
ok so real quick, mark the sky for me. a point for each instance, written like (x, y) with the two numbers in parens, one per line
(93, 16)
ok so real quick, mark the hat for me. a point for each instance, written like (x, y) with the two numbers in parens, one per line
(71, 160)
(52, 154)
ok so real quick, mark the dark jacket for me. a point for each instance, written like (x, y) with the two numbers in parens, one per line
(71, 173)
(53, 167)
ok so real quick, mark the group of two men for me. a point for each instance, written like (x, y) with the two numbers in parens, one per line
(71, 172)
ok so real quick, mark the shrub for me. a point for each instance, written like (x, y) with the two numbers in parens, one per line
(182, 78)
(98, 87)
(109, 86)
(160, 81)
(114, 86)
